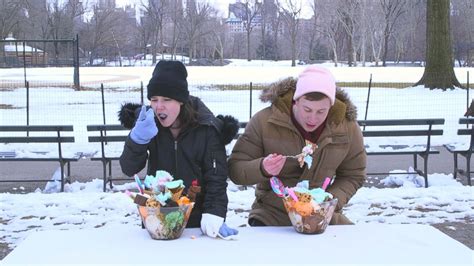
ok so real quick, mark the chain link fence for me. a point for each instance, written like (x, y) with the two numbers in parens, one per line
(41, 103)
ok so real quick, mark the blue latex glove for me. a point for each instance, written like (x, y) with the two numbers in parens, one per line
(145, 127)
(227, 233)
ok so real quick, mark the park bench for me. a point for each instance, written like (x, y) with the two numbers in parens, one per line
(462, 149)
(107, 135)
(37, 134)
(395, 129)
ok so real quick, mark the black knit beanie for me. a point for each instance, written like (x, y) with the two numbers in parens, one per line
(169, 80)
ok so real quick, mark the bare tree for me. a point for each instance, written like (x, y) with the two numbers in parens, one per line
(348, 12)
(143, 35)
(197, 15)
(176, 16)
(290, 11)
(330, 26)
(97, 35)
(251, 13)
(10, 16)
(269, 13)
(235, 47)
(155, 13)
(313, 30)
(275, 24)
(392, 10)
(219, 38)
(364, 30)
(60, 21)
(411, 44)
(36, 25)
(462, 15)
(439, 71)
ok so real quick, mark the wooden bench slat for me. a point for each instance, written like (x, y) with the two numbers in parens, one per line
(106, 134)
(465, 131)
(394, 128)
(401, 152)
(465, 121)
(401, 122)
(36, 128)
(463, 150)
(48, 159)
(107, 138)
(53, 136)
(106, 127)
(35, 139)
(401, 133)
(113, 158)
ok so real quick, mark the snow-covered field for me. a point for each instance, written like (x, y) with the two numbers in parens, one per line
(56, 105)
(85, 206)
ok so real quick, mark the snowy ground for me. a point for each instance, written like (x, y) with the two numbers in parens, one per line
(85, 206)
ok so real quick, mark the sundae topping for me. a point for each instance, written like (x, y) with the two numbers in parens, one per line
(163, 197)
(177, 184)
(162, 187)
(305, 155)
(153, 203)
(318, 195)
(162, 208)
(310, 210)
(194, 190)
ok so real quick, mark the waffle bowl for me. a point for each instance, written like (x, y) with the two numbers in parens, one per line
(310, 217)
(165, 223)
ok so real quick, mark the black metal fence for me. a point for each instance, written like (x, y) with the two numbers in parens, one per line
(41, 102)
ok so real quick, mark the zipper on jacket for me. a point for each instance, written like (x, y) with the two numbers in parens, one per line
(176, 155)
(214, 165)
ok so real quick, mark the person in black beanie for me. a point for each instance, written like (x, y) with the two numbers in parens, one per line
(169, 80)
(180, 135)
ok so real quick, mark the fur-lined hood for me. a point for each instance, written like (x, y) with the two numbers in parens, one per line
(280, 94)
(227, 125)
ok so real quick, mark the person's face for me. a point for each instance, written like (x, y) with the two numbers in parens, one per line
(311, 114)
(166, 109)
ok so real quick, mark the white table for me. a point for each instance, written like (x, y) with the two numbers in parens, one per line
(362, 244)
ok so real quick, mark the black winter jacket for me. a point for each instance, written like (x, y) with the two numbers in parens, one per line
(198, 153)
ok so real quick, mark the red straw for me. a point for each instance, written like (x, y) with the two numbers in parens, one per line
(326, 183)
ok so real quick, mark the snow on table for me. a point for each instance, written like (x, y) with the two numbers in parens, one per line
(378, 244)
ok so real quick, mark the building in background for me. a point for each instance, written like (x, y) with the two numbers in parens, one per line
(16, 53)
(242, 13)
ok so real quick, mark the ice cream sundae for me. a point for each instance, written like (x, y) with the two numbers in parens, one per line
(309, 210)
(163, 208)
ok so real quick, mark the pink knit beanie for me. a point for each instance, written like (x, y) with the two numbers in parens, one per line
(316, 79)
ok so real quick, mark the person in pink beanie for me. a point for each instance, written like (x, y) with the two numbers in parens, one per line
(306, 110)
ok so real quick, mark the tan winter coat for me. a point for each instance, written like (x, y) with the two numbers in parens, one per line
(341, 153)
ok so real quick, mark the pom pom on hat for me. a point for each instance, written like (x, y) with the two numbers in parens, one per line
(169, 80)
(316, 79)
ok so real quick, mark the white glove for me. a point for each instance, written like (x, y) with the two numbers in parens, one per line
(145, 127)
(210, 224)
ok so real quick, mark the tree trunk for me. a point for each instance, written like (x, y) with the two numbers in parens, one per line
(293, 51)
(439, 71)
(385, 45)
(248, 46)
